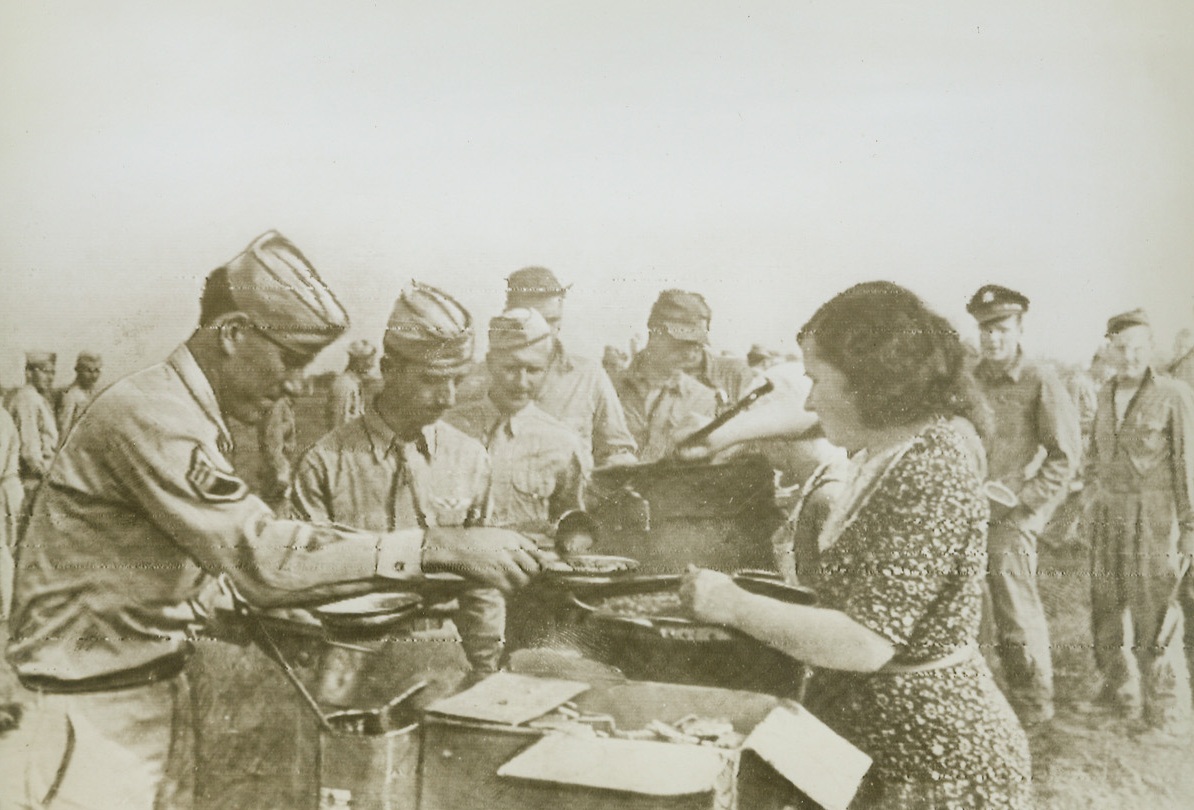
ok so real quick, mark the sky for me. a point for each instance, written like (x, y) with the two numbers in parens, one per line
(767, 155)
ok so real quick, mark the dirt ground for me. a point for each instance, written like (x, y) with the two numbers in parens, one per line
(1087, 761)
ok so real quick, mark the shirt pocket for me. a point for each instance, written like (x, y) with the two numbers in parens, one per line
(1150, 441)
(533, 481)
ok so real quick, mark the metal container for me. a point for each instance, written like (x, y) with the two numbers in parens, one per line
(679, 650)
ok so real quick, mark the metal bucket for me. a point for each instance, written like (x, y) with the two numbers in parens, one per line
(369, 759)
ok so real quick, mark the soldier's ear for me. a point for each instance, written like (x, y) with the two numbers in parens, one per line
(231, 330)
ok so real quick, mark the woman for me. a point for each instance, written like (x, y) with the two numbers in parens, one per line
(894, 637)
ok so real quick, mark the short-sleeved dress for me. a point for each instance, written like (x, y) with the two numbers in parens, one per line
(908, 563)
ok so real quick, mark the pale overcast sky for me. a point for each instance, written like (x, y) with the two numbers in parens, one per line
(765, 154)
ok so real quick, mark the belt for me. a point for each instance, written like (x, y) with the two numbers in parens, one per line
(160, 669)
(958, 656)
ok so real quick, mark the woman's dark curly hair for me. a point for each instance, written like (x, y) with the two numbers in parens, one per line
(903, 362)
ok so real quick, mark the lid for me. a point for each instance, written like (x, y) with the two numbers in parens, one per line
(509, 698)
(632, 766)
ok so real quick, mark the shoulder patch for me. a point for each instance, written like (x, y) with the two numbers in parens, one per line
(211, 483)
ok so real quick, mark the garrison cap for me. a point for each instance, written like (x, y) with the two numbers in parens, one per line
(993, 302)
(534, 281)
(37, 359)
(759, 352)
(517, 329)
(430, 327)
(88, 359)
(1125, 320)
(275, 285)
(683, 315)
(361, 348)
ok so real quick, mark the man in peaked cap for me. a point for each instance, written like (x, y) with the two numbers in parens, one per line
(400, 466)
(34, 417)
(346, 397)
(142, 509)
(575, 390)
(663, 403)
(88, 368)
(1032, 411)
(1141, 499)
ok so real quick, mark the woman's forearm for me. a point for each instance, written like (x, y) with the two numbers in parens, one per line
(817, 636)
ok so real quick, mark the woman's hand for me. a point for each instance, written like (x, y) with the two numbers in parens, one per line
(710, 595)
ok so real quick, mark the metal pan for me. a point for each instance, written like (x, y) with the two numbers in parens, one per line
(369, 612)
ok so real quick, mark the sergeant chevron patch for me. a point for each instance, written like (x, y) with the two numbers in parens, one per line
(211, 483)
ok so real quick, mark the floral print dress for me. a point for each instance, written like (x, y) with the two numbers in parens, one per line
(907, 563)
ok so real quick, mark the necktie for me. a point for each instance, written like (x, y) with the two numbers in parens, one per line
(405, 511)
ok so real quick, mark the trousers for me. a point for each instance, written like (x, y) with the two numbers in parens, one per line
(1018, 616)
(131, 748)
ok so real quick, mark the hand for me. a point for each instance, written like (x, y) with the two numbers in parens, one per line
(498, 558)
(695, 452)
(709, 595)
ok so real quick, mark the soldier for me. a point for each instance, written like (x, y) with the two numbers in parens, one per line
(400, 466)
(34, 418)
(1141, 493)
(11, 497)
(277, 438)
(662, 403)
(1182, 367)
(346, 399)
(577, 391)
(1031, 411)
(88, 367)
(730, 377)
(143, 509)
(539, 464)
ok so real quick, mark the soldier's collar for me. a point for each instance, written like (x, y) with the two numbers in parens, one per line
(383, 439)
(196, 382)
(1013, 370)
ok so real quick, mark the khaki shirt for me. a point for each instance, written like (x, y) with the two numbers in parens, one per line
(11, 491)
(1183, 369)
(74, 400)
(539, 465)
(139, 509)
(580, 394)
(660, 416)
(356, 476)
(1032, 410)
(277, 438)
(1148, 459)
(731, 378)
(346, 399)
(37, 428)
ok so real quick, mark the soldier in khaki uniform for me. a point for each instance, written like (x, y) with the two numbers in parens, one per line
(34, 418)
(400, 465)
(1032, 411)
(11, 497)
(539, 465)
(88, 368)
(663, 403)
(346, 398)
(141, 509)
(575, 390)
(1141, 491)
(277, 439)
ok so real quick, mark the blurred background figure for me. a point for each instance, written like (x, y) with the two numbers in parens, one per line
(761, 358)
(11, 497)
(277, 437)
(346, 399)
(30, 408)
(575, 390)
(88, 368)
(614, 361)
(1182, 365)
